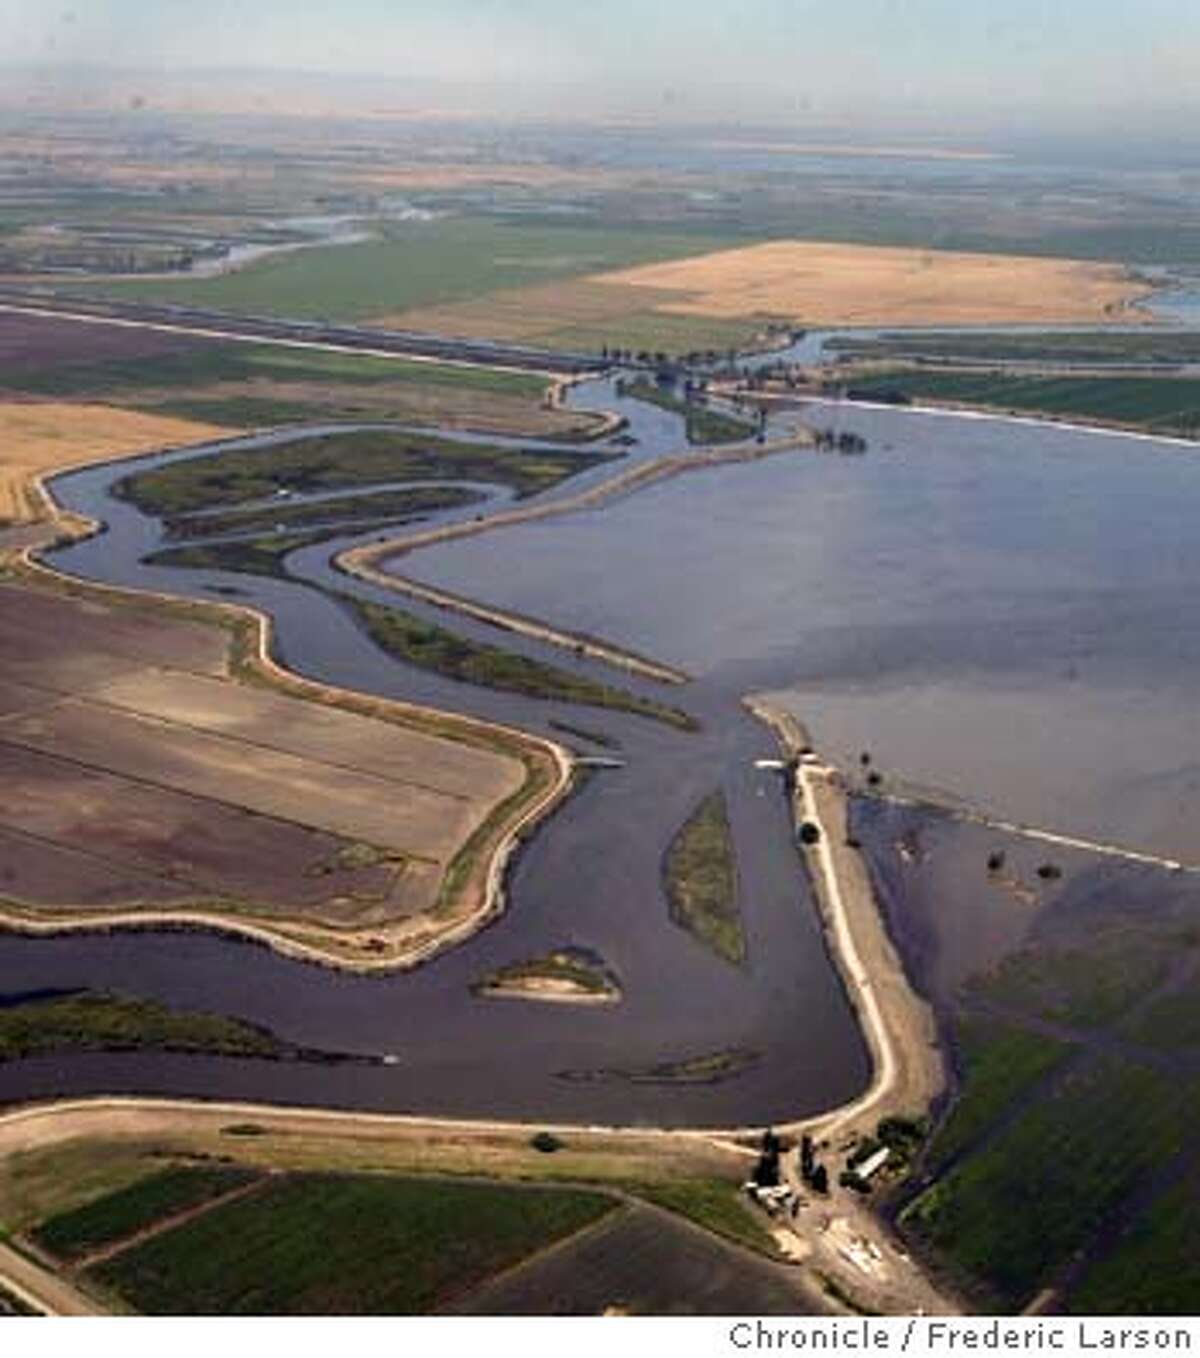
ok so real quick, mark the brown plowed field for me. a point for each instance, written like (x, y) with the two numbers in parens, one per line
(136, 774)
(34, 341)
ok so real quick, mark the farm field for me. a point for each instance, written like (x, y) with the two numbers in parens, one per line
(642, 1262)
(1158, 404)
(341, 1245)
(1113, 346)
(585, 315)
(817, 283)
(141, 777)
(1066, 1151)
(239, 385)
(39, 438)
(419, 265)
(117, 1216)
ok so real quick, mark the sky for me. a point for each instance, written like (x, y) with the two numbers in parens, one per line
(694, 58)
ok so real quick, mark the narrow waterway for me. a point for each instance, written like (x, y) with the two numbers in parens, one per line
(954, 601)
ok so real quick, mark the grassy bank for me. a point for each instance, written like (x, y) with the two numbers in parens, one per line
(430, 647)
(342, 462)
(700, 872)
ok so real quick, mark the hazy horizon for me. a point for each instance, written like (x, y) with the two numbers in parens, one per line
(928, 64)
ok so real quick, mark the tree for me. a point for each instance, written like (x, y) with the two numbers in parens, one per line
(546, 1142)
(819, 1180)
(995, 860)
(809, 833)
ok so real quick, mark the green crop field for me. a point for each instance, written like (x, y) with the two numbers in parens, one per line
(1076, 1108)
(1112, 346)
(1153, 1268)
(1170, 1022)
(120, 1215)
(1019, 1207)
(999, 1064)
(422, 264)
(1086, 985)
(342, 1245)
(1158, 404)
(341, 462)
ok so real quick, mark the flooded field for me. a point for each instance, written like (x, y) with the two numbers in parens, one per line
(1000, 614)
(952, 602)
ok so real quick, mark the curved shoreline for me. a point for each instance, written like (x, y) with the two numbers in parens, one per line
(845, 935)
(366, 562)
(907, 1072)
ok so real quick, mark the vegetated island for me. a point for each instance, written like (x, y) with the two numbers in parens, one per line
(447, 888)
(570, 975)
(248, 556)
(402, 504)
(101, 1020)
(343, 461)
(430, 647)
(700, 877)
(710, 1068)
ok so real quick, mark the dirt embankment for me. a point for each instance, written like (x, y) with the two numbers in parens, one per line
(899, 1028)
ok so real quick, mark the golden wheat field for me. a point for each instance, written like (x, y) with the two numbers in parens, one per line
(37, 437)
(815, 283)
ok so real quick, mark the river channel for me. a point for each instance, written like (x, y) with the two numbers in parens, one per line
(1003, 612)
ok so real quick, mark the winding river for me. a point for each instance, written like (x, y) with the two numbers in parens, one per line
(952, 601)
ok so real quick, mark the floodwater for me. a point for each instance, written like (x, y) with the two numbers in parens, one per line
(977, 603)
(1003, 614)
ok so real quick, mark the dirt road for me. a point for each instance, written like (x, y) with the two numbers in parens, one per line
(45, 1291)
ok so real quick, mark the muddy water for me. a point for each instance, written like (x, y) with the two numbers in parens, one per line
(592, 880)
(1003, 614)
(955, 601)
